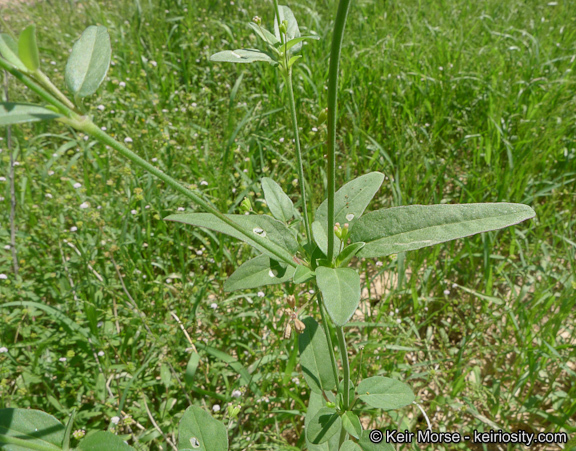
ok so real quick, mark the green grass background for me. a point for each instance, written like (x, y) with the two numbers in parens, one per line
(455, 101)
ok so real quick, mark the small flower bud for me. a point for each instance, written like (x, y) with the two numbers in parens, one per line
(256, 20)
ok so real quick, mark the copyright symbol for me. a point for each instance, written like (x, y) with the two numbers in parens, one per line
(376, 436)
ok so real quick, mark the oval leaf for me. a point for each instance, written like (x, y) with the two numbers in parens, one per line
(103, 441)
(9, 51)
(258, 272)
(402, 229)
(89, 61)
(315, 403)
(351, 423)
(277, 200)
(293, 31)
(340, 289)
(28, 49)
(264, 226)
(199, 431)
(30, 426)
(18, 113)
(241, 56)
(323, 425)
(385, 393)
(348, 253)
(315, 357)
(303, 274)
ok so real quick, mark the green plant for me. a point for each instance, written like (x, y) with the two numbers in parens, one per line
(339, 232)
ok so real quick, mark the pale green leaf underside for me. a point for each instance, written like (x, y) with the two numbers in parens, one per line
(103, 441)
(303, 274)
(349, 445)
(264, 34)
(277, 200)
(278, 235)
(340, 289)
(9, 51)
(321, 239)
(18, 113)
(199, 431)
(315, 403)
(241, 56)
(385, 393)
(293, 31)
(315, 357)
(402, 229)
(89, 61)
(31, 426)
(323, 425)
(257, 273)
(27, 48)
(351, 423)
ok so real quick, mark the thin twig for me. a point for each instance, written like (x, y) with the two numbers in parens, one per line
(158, 427)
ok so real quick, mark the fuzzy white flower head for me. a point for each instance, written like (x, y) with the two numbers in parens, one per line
(204, 183)
(446, 292)
(100, 107)
(100, 353)
(4, 350)
(49, 196)
(2, 179)
(122, 84)
(127, 139)
(3, 276)
(115, 420)
(181, 208)
(73, 229)
(261, 294)
(77, 185)
(235, 393)
(62, 359)
(216, 408)
(154, 63)
(84, 205)
(213, 306)
(133, 212)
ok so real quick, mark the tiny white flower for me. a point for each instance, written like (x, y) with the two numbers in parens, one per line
(379, 263)
(314, 129)
(235, 393)
(50, 172)
(199, 252)
(213, 306)
(168, 280)
(2, 179)
(16, 163)
(154, 160)
(154, 63)
(454, 285)
(73, 229)
(100, 107)
(181, 209)
(62, 359)
(311, 291)
(3, 276)
(296, 380)
(194, 105)
(115, 420)
(7, 247)
(77, 185)
(446, 292)
(4, 350)
(216, 408)
(133, 212)
(281, 140)
(398, 320)
(261, 294)
(122, 84)
(127, 139)
(49, 196)
(147, 207)
(84, 205)
(100, 353)
(103, 129)
(204, 183)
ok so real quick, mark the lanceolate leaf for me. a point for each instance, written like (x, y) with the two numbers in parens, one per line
(340, 289)
(27, 48)
(297, 41)
(103, 441)
(199, 431)
(89, 61)
(351, 200)
(277, 200)
(17, 113)
(385, 393)
(324, 425)
(264, 34)
(351, 423)
(293, 31)
(242, 56)
(348, 253)
(256, 273)
(401, 229)
(23, 426)
(9, 51)
(315, 357)
(281, 238)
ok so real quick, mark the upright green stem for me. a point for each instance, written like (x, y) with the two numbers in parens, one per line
(301, 180)
(337, 38)
(345, 366)
(328, 338)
